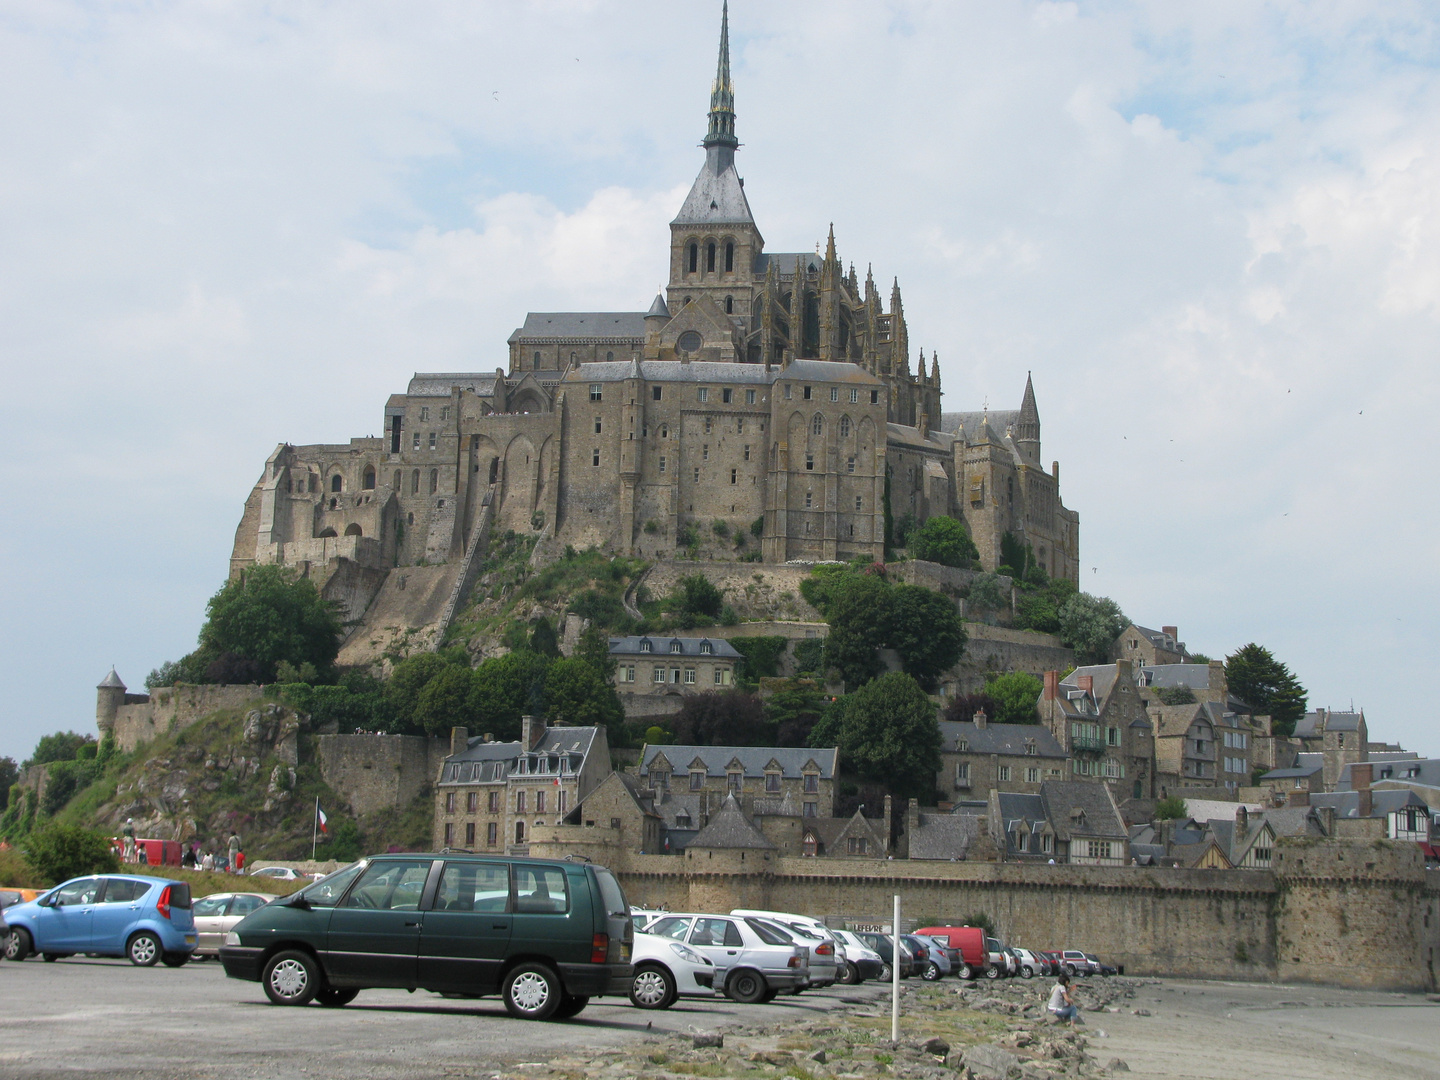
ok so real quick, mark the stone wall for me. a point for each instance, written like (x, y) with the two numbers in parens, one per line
(1361, 914)
(996, 649)
(378, 772)
(755, 590)
(171, 708)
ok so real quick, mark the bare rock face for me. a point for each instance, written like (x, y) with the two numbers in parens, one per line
(992, 1063)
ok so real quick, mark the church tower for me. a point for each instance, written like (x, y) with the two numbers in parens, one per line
(714, 243)
(1027, 426)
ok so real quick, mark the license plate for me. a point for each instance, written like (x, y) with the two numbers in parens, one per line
(189, 939)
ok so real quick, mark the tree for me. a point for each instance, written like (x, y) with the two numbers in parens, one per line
(810, 656)
(723, 718)
(445, 701)
(886, 732)
(58, 852)
(697, 597)
(407, 679)
(857, 611)
(963, 707)
(578, 694)
(265, 615)
(1265, 684)
(762, 655)
(9, 774)
(946, 541)
(1169, 809)
(502, 690)
(1090, 625)
(542, 637)
(594, 648)
(1015, 694)
(1175, 695)
(59, 746)
(794, 709)
(927, 631)
(988, 593)
(344, 843)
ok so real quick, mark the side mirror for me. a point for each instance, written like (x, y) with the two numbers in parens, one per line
(299, 901)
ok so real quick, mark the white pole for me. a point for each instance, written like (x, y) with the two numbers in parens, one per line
(315, 829)
(895, 974)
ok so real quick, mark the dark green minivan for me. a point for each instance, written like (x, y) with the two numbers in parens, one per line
(547, 936)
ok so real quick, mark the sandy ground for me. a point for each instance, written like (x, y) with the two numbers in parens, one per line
(1239, 1031)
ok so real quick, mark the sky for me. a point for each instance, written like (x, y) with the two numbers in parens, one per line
(1211, 231)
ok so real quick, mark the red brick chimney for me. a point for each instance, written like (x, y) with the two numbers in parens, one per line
(1052, 685)
(1171, 632)
(1360, 776)
(1086, 683)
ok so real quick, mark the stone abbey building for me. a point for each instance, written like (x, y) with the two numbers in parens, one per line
(759, 385)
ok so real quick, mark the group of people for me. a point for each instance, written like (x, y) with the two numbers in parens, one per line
(229, 860)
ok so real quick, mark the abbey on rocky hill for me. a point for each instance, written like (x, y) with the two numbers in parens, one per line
(760, 385)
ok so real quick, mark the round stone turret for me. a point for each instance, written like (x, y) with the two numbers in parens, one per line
(109, 696)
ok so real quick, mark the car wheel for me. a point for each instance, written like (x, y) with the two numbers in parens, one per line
(18, 945)
(770, 995)
(967, 972)
(992, 972)
(652, 988)
(572, 1006)
(886, 973)
(336, 999)
(532, 992)
(144, 949)
(291, 977)
(746, 987)
(1027, 973)
(1070, 970)
(848, 975)
(175, 959)
(931, 972)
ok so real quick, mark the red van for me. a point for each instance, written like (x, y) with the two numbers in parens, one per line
(970, 941)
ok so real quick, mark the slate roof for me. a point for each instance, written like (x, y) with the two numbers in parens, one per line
(438, 383)
(969, 422)
(910, 436)
(717, 197)
(785, 262)
(1174, 721)
(1314, 724)
(1006, 739)
(731, 829)
(791, 759)
(830, 831)
(1159, 639)
(1166, 676)
(542, 326)
(660, 645)
(1103, 674)
(659, 307)
(110, 682)
(1427, 772)
(1297, 773)
(481, 762)
(944, 836)
(1101, 818)
(1383, 801)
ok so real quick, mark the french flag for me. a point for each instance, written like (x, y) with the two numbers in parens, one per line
(320, 815)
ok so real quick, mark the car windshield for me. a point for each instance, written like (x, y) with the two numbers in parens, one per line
(327, 891)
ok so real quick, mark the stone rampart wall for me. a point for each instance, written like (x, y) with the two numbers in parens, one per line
(378, 772)
(171, 708)
(1321, 916)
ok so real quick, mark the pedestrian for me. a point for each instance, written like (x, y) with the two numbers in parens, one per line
(128, 832)
(144, 858)
(234, 848)
(187, 860)
(1061, 1004)
(240, 861)
(207, 861)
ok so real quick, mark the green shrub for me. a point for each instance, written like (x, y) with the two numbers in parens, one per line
(59, 852)
(762, 655)
(719, 528)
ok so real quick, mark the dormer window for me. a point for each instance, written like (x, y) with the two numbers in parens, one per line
(697, 779)
(645, 645)
(706, 649)
(1030, 748)
(659, 780)
(735, 780)
(962, 746)
(772, 781)
(676, 646)
(682, 821)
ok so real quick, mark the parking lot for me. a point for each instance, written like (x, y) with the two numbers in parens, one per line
(79, 1018)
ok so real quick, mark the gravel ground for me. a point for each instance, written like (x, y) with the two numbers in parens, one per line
(84, 1018)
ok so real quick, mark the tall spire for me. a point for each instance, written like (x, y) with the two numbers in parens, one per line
(722, 92)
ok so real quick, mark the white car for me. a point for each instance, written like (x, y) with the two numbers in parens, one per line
(666, 970)
(826, 963)
(865, 961)
(280, 873)
(1030, 964)
(753, 961)
(215, 915)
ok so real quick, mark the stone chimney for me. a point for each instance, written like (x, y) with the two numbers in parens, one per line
(889, 823)
(980, 719)
(1172, 632)
(1242, 822)
(1360, 777)
(1218, 685)
(1326, 816)
(459, 739)
(1052, 685)
(489, 736)
(532, 730)
(1085, 683)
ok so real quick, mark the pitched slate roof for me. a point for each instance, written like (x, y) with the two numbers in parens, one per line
(438, 383)
(944, 836)
(1165, 676)
(730, 829)
(717, 197)
(1175, 721)
(1426, 771)
(1315, 723)
(1063, 798)
(1006, 739)
(660, 646)
(110, 682)
(1297, 773)
(1383, 801)
(1159, 638)
(753, 759)
(542, 326)
(485, 762)
(1103, 674)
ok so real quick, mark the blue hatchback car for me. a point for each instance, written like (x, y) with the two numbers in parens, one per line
(144, 919)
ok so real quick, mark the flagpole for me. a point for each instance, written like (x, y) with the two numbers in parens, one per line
(315, 829)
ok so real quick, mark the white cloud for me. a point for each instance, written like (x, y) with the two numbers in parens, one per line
(222, 226)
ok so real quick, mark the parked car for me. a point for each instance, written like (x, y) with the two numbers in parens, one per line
(9, 896)
(867, 963)
(931, 956)
(217, 914)
(969, 941)
(280, 873)
(882, 943)
(1031, 964)
(546, 936)
(825, 959)
(667, 970)
(1056, 959)
(1001, 963)
(952, 954)
(4, 930)
(145, 919)
(1097, 967)
(753, 960)
(1077, 963)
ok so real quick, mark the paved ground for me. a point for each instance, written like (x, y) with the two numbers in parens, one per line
(80, 1018)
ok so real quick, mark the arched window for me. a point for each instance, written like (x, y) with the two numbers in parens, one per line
(415, 482)
(537, 360)
(434, 481)
(326, 534)
(353, 530)
(729, 257)
(333, 504)
(729, 305)
(336, 483)
(844, 427)
(817, 426)
(368, 483)
(609, 356)
(710, 257)
(694, 257)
